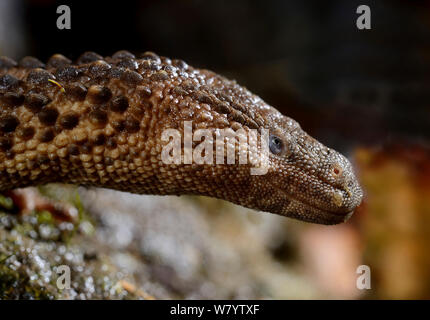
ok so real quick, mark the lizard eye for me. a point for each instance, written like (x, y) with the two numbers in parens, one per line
(275, 144)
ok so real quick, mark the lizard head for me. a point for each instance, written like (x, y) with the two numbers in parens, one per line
(306, 180)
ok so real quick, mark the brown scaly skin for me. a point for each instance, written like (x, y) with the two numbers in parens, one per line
(99, 123)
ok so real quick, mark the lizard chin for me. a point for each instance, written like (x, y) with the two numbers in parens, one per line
(336, 205)
(345, 201)
(339, 206)
(308, 213)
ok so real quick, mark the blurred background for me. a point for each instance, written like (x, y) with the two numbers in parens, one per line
(365, 93)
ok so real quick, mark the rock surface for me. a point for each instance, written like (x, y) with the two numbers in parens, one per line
(128, 246)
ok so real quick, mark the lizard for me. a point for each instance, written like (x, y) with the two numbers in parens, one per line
(98, 121)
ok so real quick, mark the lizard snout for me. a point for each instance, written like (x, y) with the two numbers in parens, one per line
(348, 194)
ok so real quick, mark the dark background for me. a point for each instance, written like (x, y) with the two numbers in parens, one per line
(306, 58)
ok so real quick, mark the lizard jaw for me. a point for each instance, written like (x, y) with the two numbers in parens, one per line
(298, 208)
(308, 213)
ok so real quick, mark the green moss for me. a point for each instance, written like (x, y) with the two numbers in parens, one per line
(16, 285)
(32, 246)
(44, 217)
(15, 279)
(6, 202)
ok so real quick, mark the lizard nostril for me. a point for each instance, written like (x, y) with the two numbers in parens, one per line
(336, 170)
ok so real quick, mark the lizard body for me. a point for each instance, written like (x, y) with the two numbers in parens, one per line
(99, 122)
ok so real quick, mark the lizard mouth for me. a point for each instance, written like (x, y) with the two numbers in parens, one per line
(335, 205)
(310, 213)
